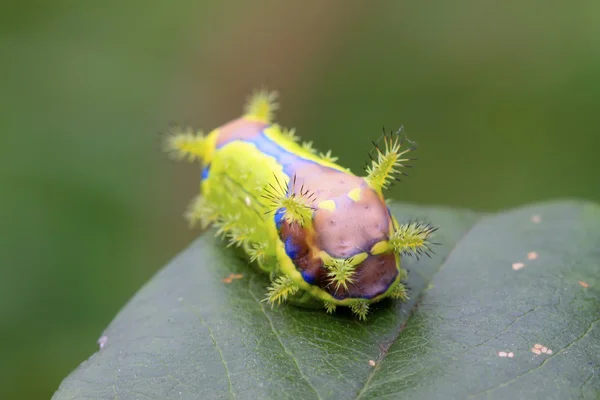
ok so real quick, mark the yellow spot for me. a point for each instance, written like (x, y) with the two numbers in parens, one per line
(372, 363)
(358, 258)
(584, 284)
(511, 354)
(536, 351)
(536, 219)
(328, 205)
(380, 247)
(537, 346)
(532, 255)
(354, 194)
(517, 266)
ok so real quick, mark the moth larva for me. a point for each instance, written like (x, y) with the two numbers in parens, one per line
(321, 232)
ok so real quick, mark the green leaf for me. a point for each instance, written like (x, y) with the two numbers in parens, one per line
(187, 334)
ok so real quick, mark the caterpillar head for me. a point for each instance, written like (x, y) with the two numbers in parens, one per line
(343, 250)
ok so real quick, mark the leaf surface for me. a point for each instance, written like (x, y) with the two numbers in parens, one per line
(497, 286)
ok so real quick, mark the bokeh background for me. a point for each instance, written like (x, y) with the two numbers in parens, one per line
(503, 99)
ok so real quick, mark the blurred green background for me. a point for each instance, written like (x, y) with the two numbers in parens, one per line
(503, 100)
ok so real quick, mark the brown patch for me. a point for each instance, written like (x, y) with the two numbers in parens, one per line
(231, 277)
(305, 260)
(372, 363)
(532, 255)
(584, 284)
(536, 219)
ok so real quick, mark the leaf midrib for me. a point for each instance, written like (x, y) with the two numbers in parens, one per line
(385, 348)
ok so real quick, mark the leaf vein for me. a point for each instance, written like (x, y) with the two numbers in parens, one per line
(287, 351)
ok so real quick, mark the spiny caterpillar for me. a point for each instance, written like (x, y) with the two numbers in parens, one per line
(324, 235)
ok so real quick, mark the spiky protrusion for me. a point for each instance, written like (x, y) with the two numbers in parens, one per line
(328, 157)
(279, 291)
(297, 204)
(181, 144)
(308, 146)
(200, 211)
(258, 251)
(330, 307)
(239, 235)
(261, 106)
(413, 238)
(227, 223)
(340, 272)
(290, 133)
(360, 309)
(400, 293)
(386, 163)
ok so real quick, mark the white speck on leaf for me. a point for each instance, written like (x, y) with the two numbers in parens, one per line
(102, 341)
(517, 266)
(540, 348)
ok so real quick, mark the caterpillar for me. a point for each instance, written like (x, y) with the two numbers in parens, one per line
(324, 235)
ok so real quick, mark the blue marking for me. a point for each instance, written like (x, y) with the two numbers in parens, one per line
(289, 161)
(291, 249)
(205, 171)
(278, 217)
(308, 278)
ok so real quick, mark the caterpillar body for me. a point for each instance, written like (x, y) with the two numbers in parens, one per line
(325, 235)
